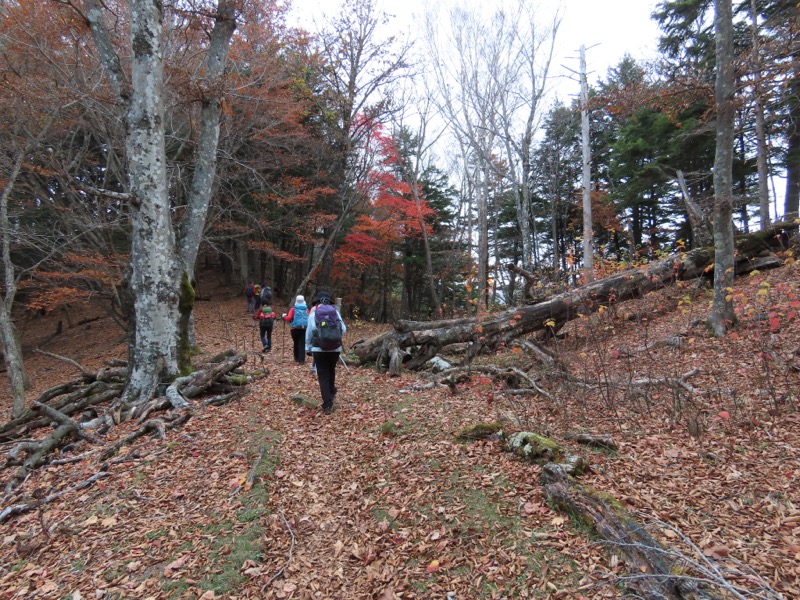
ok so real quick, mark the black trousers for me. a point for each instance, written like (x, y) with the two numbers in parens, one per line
(299, 345)
(326, 375)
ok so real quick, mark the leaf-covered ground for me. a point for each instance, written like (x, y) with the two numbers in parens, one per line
(381, 500)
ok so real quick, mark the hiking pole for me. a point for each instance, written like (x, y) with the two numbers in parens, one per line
(341, 360)
(283, 338)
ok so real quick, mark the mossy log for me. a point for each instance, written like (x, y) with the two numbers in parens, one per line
(652, 567)
(413, 343)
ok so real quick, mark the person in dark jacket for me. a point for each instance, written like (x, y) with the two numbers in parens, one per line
(325, 360)
(297, 317)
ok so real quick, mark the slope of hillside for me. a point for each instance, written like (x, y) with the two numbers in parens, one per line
(263, 498)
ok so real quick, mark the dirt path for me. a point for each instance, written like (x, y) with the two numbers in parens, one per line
(379, 500)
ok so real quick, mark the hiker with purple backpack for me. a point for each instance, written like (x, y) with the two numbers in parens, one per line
(324, 334)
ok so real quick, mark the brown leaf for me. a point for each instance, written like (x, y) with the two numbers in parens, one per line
(387, 594)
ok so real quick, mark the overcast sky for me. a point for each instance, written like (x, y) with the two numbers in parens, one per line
(608, 29)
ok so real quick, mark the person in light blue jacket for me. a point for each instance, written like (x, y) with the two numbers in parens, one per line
(324, 334)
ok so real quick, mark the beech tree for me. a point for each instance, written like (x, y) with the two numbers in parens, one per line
(162, 255)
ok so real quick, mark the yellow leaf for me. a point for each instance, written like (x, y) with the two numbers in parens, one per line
(558, 521)
(434, 566)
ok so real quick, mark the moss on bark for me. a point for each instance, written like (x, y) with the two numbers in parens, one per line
(185, 307)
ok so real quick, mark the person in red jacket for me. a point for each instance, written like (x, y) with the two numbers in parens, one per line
(266, 319)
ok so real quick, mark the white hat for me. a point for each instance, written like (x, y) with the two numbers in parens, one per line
(300, 300)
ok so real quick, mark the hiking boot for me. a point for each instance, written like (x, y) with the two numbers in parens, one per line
(314, 368)
(265, 349)
(327, 409)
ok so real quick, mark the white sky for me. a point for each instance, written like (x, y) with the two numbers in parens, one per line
(608, 29)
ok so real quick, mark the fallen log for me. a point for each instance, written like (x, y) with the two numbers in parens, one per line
(596, 440)
(413, 343)
(200, 381)
(655, 569)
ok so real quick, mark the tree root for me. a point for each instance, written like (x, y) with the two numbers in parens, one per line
(158, 426)
(67, 404)
(19, 509)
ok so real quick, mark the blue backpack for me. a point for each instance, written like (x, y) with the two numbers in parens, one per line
(327, 335)
(300, 318)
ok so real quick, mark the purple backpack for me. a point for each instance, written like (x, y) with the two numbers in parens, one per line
(327, 335)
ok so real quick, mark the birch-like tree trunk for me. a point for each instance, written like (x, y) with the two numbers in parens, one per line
(762, 149)
(412, 173)
(158, 264)
(588, 234)
(722, 314)
(525, 52)
(155, 268)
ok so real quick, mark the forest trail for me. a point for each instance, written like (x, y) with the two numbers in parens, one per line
(378, 500)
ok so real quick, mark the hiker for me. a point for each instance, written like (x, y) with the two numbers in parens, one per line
(257, 297)
(266, 319)
(250, 295)
(266, 294)
(324, 342)
(297, 317)
(314, 303)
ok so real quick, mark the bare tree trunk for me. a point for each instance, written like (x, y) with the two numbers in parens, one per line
(190, 233)
(244, 260)
(762, 152)
(158, 257)
(588, 234)
(191, 230)
(483, 239)
(722, 313)
(413, 179)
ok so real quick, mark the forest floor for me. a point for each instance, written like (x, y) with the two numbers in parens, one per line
(380, 500)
